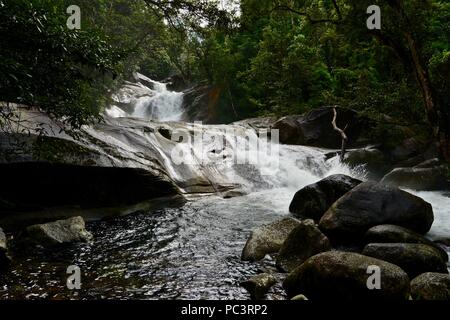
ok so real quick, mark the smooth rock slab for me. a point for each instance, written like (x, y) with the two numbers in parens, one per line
(336, 275)
(305, 241)
(259, 285)
(314, 200)
(59, 232)
(431, 286)
(415, 259)
(268, 239)
(371, 204)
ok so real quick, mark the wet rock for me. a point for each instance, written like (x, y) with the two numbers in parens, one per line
(4, 257)
(176, 83)
(314, 200)
(233, 194)
(396, 234)
(417, 178)
(443, 240)
(59, 232)
(299, 297)
(305, 241)
(431, 286)
(268, 239)
(373, 160)
(408, 148)
(205, 103)
(415, 259)
(260, 123)
(315, 129)
(336, 275)
(259, 285)
(371, 204)
(431, 163)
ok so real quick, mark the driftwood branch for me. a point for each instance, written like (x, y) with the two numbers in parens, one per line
(341, 133)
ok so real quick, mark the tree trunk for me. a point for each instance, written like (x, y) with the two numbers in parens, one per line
(434, 116)
(432, 110)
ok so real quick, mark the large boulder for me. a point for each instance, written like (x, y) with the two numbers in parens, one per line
(395, 234)
(431, 286)
(305, 241)
(336, 275)
(417, 178)
(268, 239)
(259, 285)
(67, 231)
(4, 258)
(372, 159)
(415, 259)
(371, 204)
(205, 103)
(314, 200)
(315, 128)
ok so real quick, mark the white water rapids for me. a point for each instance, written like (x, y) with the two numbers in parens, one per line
(296, 166)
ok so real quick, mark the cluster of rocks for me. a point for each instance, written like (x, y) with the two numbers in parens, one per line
(410, 162)
(344, 229)
(47, 235)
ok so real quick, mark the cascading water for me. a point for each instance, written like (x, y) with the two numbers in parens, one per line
(157, 103)
(191, 252)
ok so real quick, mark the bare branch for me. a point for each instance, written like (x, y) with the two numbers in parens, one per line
(341, 133)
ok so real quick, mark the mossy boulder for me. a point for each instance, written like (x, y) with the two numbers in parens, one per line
(431, 286)
(336, 275)
(415, 259)
(268, 239)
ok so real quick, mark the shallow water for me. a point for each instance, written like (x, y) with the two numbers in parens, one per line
(191, 252)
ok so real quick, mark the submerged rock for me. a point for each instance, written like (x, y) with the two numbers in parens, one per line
(371, 204)
(233, 194)
(4, 258)
(415, 259)
(305, 241)
(417, 178)
(59, 232)
(431, 286)
(268, 239)
(259, 285)
(336, 275)
(314, 200)
(395, 234)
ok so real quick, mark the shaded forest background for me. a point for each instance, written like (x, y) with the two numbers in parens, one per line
(264, 57)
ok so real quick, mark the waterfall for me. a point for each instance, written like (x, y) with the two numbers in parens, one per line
(153, 101)
(295, 166)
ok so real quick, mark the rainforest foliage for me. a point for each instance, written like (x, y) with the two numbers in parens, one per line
(264, 56)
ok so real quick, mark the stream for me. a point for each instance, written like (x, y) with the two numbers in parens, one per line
(191, 252)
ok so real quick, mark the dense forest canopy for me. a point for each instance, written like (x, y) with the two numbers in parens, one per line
(263, 56)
